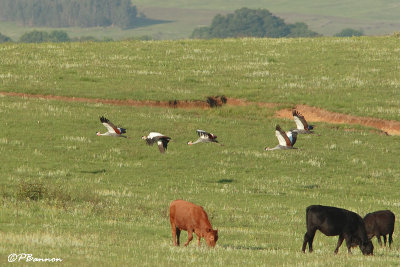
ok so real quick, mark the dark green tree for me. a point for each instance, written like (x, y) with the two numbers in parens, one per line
(5, 39)
(247, 22)
(59, 37)
(348, 32)
(41, 37)
(34, 37)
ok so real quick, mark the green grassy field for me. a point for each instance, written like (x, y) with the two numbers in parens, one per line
(358, 76)
(379, 17)
(89, 200)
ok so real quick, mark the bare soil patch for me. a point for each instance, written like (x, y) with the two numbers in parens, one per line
(312, 114)
(150, 103)
(242, 102)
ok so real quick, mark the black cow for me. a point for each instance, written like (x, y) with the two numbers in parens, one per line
(380, 223)
(333, 221)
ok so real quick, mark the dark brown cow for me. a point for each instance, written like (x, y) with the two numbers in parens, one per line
(380, 223)
(333, 221)
(190, 217)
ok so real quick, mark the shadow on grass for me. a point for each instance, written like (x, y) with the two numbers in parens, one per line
(311, 186)
(95, 171)
(225, 181)
(242, 247)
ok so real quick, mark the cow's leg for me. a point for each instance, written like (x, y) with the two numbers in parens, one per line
(384, 239)
(178, 234)
(308, 238)
(198, 239)
(190, 237)
(379, 239)
(390, 239)
(174, 228)
(339, 243)
(348, 244)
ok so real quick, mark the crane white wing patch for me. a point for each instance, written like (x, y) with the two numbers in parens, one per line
(110, 128)
(281, 139)
(299, 123)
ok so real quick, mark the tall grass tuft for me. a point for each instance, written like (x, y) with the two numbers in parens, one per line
(31, 191)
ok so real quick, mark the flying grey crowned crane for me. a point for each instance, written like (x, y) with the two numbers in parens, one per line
(286, 140)
(302, 126)
(204, 137)
(112, 130)
(160, 139)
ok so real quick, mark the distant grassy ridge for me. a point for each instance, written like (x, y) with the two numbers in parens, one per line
(182, 17)
(324, 7)
(366, 9)
(358, 76)
(326, 17)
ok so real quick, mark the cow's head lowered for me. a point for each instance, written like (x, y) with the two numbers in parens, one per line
(367, 248)
(211, 237)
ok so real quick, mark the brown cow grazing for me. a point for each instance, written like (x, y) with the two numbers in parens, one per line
(190, 217)
(380, 223)
(333, 221)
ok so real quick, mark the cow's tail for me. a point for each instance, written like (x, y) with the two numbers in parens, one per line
(308, 210)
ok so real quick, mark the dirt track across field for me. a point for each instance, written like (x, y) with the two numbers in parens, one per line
(312, 114)
(172, 104)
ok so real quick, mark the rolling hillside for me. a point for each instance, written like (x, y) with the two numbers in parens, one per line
(326, 16)
(181, 17)
(330, 73)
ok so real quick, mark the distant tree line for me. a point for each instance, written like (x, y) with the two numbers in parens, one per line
(247, 22)
(69, 13)
(41, 37)
(59, 36)
(62, 36)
